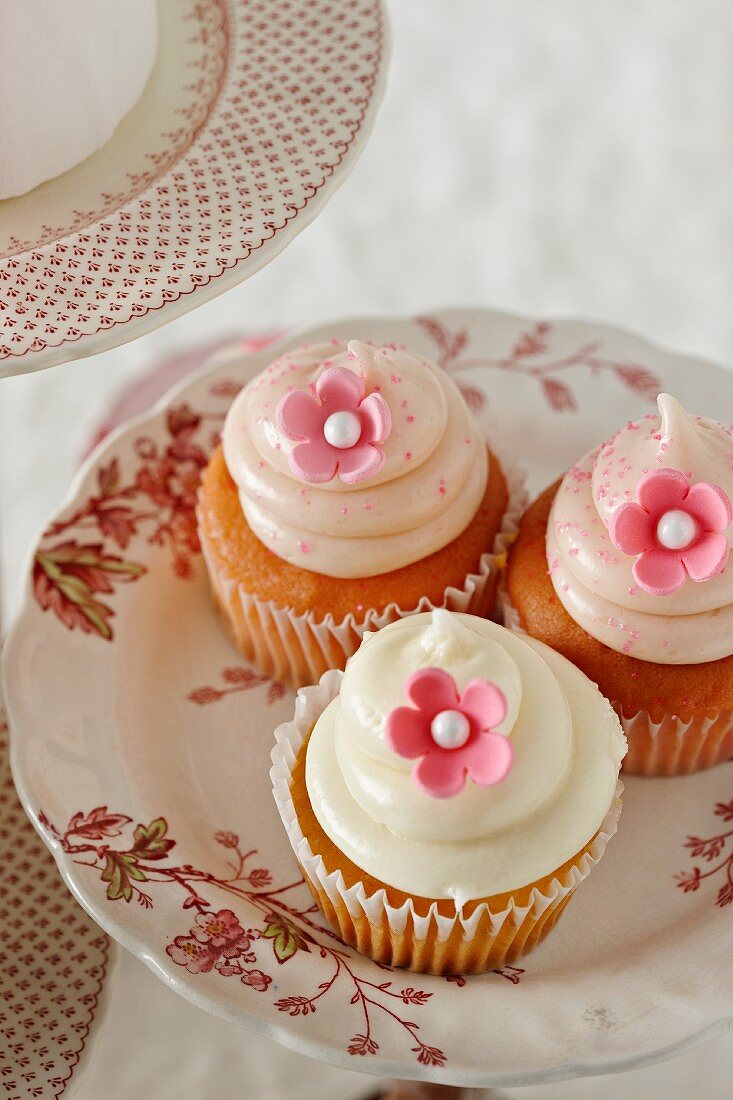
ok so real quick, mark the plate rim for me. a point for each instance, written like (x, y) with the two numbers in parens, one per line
(276, 1029)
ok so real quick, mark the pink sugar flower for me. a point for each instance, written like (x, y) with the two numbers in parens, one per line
(451, 734)
(337, 429)
(675, 530)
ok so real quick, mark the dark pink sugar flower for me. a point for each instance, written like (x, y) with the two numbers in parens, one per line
(337, 429)
(675, 530)
(450, 734)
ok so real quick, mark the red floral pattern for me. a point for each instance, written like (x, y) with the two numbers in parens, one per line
(218, 942)
(157, 500)
(236, 679)
(531, 355)
(711, 849)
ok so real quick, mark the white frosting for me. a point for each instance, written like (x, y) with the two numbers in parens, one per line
(594, 581)
(70, 70)
(567, 741)
(428, 491)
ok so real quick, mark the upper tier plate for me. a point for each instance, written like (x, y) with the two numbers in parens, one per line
(255, 112)
(124, 692)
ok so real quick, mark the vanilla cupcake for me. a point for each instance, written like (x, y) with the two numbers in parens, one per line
(623, 567)
(448, 792)
(352, 487)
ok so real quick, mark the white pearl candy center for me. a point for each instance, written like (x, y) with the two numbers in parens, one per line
(342, 430)
(676, 530)
(450, 729)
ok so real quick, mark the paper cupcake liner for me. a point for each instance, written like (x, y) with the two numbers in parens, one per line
(488, 937)
(671, 746)
(299, 648)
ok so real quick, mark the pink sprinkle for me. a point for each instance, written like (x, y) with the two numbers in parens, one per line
(405, 404)
(408, 455)
(411, 420)
(395, 378)
(260, 464)
(367, 506)
(304, 547)
(344, 511)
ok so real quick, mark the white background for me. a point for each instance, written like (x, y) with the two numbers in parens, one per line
(555, 157)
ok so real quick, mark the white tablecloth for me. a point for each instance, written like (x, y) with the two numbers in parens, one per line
(554, 158)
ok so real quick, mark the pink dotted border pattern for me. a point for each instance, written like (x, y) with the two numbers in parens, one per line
(54, 959)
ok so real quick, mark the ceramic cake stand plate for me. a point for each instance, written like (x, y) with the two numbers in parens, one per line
(142, 748)
(255, 112)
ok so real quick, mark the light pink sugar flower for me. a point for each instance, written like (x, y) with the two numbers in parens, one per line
(450, 734)
(676, 530)
(337, 428)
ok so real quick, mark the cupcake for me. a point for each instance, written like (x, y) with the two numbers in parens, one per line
(448, 792)
(623, 567)
(352, 487)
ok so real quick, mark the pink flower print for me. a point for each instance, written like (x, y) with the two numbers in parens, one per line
(213, 938)
(451, 734)
(337, 428)
(257, 979)
(220, 929)
(189, 951)
(675, 530)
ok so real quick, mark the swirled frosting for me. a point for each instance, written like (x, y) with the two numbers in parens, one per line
(595, 581)
(424, 495)
(567, 749)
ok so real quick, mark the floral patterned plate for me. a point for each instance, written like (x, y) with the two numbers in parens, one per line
(255, 112)
(142, 747)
